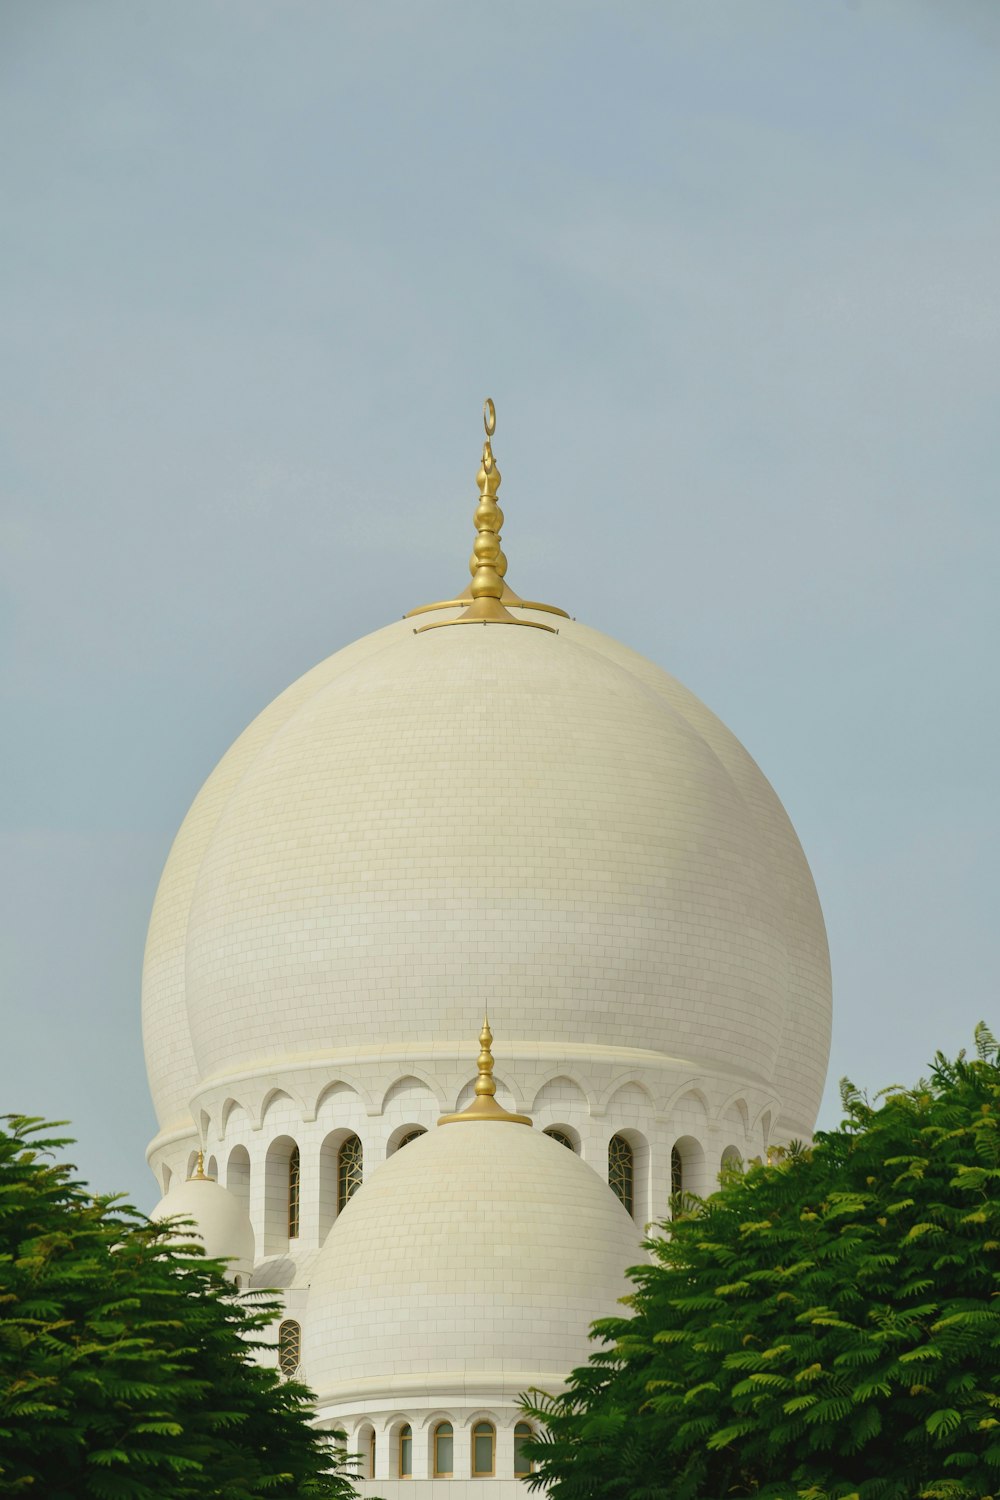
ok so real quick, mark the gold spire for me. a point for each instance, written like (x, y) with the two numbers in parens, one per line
(484, 1106)
(489, 594)
(199, 1175)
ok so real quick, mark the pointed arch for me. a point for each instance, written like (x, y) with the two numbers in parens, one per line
(738, 1104)
(690, 1094)
(425, 1083)
(620, 1084)
(344, 1085)
(551, 1093)
(268, 1102)
(228, 1106)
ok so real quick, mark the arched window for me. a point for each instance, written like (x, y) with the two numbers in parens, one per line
(294, 1179)
(238, 1282)
(410, 1135)
(484, 1443)
(289, 1347)
(444, 1450)
(522, 1463)
(621, 1171)
(561, 1137)
(732, 1161)
(406, 1451)
(371, 1455)
(350, 1161)
(676, 1171)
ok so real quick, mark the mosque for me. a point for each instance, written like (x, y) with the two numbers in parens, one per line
(524, 818)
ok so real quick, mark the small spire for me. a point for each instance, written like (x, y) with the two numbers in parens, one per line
(488, 596)
(484, 1106)
(198, 1175)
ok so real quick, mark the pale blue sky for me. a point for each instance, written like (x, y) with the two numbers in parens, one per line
(729, 270)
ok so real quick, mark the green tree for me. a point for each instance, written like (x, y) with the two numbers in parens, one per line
(126, 1359)
(824, 1325)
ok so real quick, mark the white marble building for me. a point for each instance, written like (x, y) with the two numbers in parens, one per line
(432, 821)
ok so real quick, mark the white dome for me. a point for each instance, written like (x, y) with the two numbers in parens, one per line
(428, 820)
(222, 1221)
(473, 1260)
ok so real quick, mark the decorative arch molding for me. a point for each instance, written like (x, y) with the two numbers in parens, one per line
(415, 1075)
(738, 1102)
(695, 1088)
(228, 1105)
(344, 1080)
(481, 1414)
(624, 1081)
(430, 1419)
(771, 1107)
(270, 1097)
(564, 1075)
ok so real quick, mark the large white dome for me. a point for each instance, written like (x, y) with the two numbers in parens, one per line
(547, 821)
(474, 1260)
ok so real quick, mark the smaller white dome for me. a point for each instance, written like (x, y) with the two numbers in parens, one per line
(474, 1260)
(220, 1218)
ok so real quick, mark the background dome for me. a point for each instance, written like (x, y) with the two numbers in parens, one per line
(482, 1249)
(425, 820)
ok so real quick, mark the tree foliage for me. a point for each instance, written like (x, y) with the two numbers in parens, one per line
(826, 1325)
(126, 1359)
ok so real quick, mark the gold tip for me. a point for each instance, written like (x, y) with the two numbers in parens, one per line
(198, 1175)
(488, 596)
(484, 1105)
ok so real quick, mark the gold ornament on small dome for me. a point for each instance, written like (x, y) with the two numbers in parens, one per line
(484, 1105)
(488, 596)
(199, 1174)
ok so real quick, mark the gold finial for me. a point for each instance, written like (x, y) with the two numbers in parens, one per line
(199, 1175)
(484, 1106)
(488, 596)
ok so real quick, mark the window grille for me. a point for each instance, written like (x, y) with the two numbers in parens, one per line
(289, 1347)
(562, 1138)
(350, 1165)
(294, 1177)
(621, 1171)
